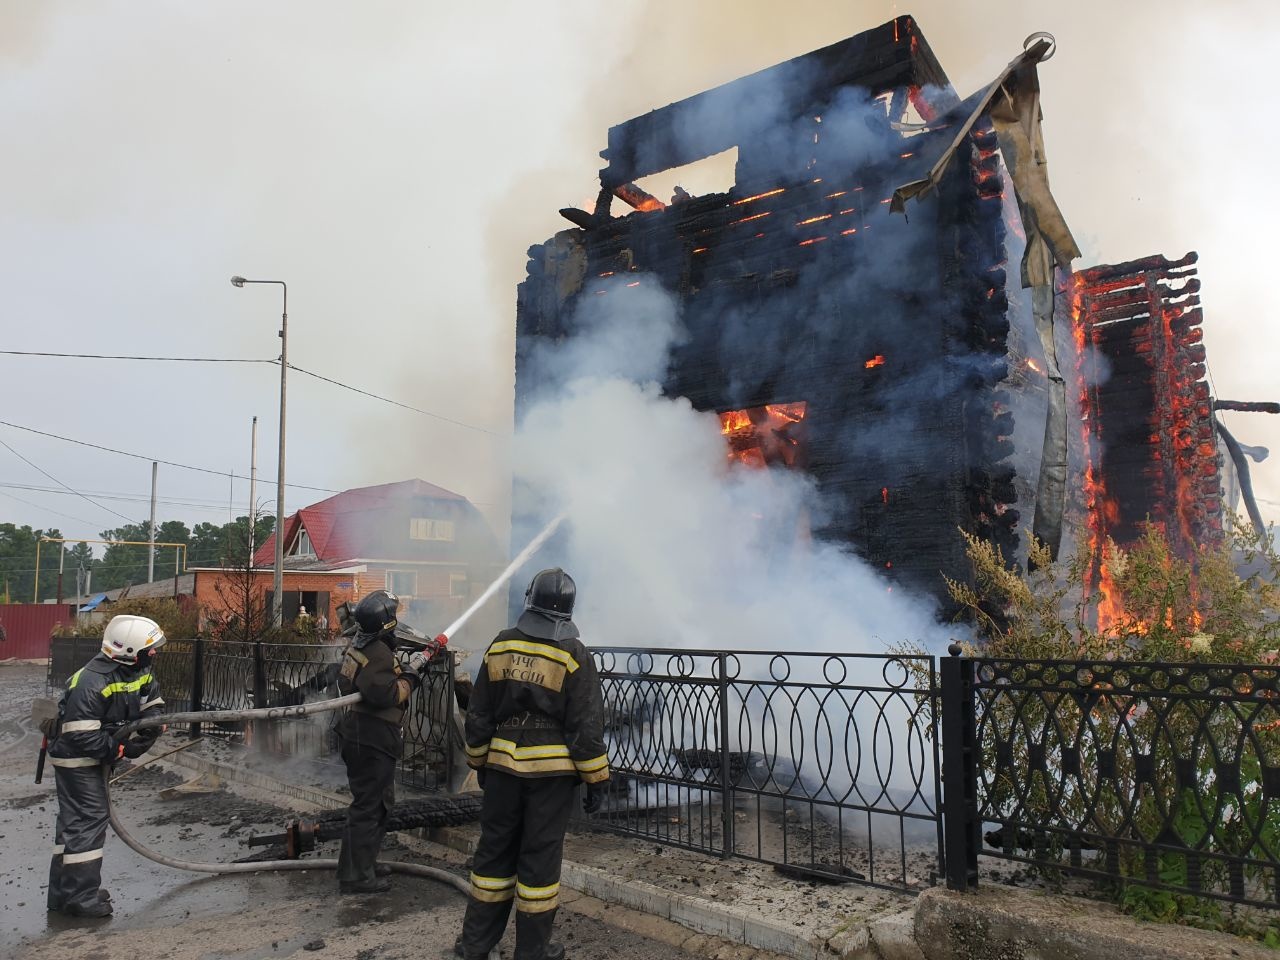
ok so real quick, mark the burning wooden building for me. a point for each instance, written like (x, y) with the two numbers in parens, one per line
(908, 363)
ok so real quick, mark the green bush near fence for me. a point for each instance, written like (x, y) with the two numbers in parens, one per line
(1220, 606)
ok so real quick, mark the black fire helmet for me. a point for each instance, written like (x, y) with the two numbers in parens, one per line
(551, 593)
(376, 616)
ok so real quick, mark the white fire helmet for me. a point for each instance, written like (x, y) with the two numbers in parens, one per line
(127, 637)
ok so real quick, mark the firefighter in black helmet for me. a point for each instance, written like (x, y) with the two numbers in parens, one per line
(535, 729)
(371, 738)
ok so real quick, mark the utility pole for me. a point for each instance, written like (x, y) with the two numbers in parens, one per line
(277, 580)
(253, 487)
(62, 556)
(151, 537)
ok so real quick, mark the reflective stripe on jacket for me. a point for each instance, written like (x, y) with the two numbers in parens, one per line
(100, 697)
(537, 709)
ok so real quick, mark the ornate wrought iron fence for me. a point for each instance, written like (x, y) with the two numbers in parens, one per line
(431, 738)
(1164, 775)
(821, 764)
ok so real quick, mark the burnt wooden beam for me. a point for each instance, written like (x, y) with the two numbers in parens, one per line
(887, 57)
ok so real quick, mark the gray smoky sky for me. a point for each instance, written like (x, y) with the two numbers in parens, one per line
(393, 161)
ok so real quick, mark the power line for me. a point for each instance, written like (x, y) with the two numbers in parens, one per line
(167, 463)
(276, 362)
(65, 516)
(396, 403)
(212, 506)
(114, 356)
(61, 484)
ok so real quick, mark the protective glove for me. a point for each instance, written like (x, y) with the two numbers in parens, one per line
(136, 747)
(412, 679)
(148, 736)
(593, 799)
(481, 775)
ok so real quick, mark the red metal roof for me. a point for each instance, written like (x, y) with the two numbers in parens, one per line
(346, 526)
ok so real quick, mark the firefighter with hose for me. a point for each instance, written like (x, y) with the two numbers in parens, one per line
(114, 688)
(534, 731)
(371, 736)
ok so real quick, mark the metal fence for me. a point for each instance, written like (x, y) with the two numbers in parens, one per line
(223, 675)
(1162, 775)
(824, 765)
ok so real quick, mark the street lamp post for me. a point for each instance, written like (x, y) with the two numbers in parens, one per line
(277, 582)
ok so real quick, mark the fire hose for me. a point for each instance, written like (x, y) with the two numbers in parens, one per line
(294, 712)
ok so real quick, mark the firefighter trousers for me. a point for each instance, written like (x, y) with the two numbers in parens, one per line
(522, 825)
(75, 869)
(371, 774)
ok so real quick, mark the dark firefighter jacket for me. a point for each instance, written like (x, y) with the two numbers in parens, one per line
(537, 709)
(100, 697)
(375, 721)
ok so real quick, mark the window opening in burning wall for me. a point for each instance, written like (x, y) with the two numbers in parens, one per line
(766, 436)
(714, 174)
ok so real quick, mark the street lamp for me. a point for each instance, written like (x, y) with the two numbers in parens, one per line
(277, 582)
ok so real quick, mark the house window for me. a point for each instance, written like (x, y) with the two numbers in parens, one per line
(403, 583)
(424, 528)
(302, 545)
(457, 584)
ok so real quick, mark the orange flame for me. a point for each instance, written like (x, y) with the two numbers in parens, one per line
(760, 436)
(876, 361)
(761, 196)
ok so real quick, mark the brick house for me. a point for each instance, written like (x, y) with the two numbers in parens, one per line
(429, 546)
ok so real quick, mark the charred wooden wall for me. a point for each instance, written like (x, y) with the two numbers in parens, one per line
(796, 279)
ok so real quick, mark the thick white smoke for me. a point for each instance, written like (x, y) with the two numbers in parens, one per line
(669, 544)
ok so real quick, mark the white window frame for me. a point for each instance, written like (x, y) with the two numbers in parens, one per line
(302, 546)
(402, 573)
(426, 528)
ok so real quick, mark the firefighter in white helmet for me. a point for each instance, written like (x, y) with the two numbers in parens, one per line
(115, 687)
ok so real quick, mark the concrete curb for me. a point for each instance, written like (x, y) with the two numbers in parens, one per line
(320, 799)
(1003, 923)
(694, 913)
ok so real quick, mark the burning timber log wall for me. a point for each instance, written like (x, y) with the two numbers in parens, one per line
(1149, 450)
(889, 357)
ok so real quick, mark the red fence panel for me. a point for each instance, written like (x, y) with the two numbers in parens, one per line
(27, 627)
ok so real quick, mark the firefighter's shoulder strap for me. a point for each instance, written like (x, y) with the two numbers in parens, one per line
(353, 661)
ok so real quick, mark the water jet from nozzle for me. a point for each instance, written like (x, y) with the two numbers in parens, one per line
(521, 559)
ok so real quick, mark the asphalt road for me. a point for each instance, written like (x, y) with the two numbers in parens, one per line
(164, 913)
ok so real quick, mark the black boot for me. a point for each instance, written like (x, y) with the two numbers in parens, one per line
(103, 895)
(98, 909)
(554, 951)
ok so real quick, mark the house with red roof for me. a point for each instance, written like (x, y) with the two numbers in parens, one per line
(428, 545)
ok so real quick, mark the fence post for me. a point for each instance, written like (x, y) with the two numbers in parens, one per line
(446, 719)
(959, 772)
(259, 692)
(197, 682)
(726, 785)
